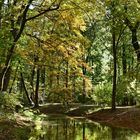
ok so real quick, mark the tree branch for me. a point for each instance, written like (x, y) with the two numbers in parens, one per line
(120, 35)
(23, 22)
(45, 11)
(128, 23)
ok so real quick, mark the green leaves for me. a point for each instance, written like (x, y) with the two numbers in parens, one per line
(8, 102)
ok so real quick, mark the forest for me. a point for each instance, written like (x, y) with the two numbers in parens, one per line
(69, 53)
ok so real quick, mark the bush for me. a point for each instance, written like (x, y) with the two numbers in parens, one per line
(102, 94)
(62, 95)
(8, 102)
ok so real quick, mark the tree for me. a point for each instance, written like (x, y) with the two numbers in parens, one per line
(18, 16)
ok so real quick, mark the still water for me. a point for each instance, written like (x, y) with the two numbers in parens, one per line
(66, 128)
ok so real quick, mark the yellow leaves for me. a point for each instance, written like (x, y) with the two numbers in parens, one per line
(74, 22)
(61, 48)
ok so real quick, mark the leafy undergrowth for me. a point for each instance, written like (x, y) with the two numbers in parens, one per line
(18, 126)
(122, 117)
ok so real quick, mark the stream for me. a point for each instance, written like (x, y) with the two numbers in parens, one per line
(68, 128)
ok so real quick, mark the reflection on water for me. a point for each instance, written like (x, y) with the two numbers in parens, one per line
(63, 128)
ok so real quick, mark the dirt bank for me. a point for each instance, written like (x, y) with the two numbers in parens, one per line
(128, 117)
(123, 117)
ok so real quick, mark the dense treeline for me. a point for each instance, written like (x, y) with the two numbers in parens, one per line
(70, 51)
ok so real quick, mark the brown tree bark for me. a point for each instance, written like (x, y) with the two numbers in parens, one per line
(134, 29)
(67, 74)
(37, 87)
(1, 5)
(43, 82)
(74, 82)
(15, 76)
(114, 72)
(32, 77)
(84, 85)
(58, 75)
(5, 78)
(26, 92)
(114, 50)
(124, 63)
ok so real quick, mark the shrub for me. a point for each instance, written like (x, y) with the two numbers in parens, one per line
(102, 94)
(8, 102)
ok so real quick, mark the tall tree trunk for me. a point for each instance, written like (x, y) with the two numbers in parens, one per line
(5, 78)
(6, 71)
(84, 131)
(84, 70)
(84, 85)
(1, 6)
(50, 77)
(84, 91)
(43, 80)
(58, 76)
(15, 76)
(114, 61)
(43, 77)
(114, 74)
(66, 81)
(124, 63)
(20, 86)
(67, 74)
(32, 77)
(134, 29)
(135, 43)
(37, 87)
(113, 134)
(26, 92)
(92, 64)
(74, 82)
(32, 83)
(137, 50)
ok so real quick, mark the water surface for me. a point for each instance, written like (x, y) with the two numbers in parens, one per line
(66, 128)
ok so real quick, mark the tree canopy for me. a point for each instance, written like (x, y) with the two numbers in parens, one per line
(83, 51)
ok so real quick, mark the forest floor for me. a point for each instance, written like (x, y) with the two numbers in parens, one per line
(125, 117)
(12, 129)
